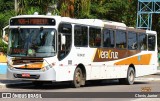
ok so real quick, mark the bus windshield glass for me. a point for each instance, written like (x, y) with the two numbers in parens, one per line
(32, 42)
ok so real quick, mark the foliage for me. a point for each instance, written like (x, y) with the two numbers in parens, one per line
(99, 8)
(82, 8)
(3, 46)
(6, 12)
(31, 6)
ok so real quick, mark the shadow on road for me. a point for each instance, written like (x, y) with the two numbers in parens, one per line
(67, 85)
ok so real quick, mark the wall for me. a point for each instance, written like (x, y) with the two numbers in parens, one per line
(3, 65)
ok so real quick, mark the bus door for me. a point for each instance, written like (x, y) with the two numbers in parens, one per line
(64, 40)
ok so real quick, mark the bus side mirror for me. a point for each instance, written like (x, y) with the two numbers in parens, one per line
(5, 36)
(63, 40)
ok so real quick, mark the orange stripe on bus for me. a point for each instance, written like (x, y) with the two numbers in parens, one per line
(136, 60)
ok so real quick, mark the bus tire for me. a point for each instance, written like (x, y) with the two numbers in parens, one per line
(77, 79)
(130, 77)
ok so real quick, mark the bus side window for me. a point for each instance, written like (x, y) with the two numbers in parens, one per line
(108, 38)
(121, 40)
(151, 42)
(132, 40)
(142, 41)
(94, 37)
(80, 36)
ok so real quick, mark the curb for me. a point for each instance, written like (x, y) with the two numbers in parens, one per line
(147, 79)
(2, 85)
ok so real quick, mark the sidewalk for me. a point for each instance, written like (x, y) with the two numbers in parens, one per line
(153, 77)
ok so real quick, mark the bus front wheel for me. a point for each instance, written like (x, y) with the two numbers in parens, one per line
(78, 78)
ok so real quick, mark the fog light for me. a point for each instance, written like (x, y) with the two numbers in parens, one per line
(43, 69)
(10, 67)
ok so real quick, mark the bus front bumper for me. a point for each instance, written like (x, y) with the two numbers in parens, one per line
(17, 74)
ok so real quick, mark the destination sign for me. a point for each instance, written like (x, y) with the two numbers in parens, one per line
(33, 21)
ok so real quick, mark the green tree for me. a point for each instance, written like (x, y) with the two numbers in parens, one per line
(82, 8)
(6, 11)
(31, 6)
(66, 7)
(123, 11)
(99, 9)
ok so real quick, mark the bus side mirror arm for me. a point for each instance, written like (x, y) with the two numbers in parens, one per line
(4, 37)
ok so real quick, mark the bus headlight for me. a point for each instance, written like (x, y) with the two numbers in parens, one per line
(46, 68)
(43, 69)
(9, 66)
(10, 63)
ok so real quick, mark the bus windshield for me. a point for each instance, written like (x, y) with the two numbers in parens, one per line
(32, 42)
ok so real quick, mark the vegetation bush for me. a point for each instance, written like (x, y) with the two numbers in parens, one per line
(3, 46)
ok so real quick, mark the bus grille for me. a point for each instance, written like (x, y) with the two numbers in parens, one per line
(27, 68)
(23, 60)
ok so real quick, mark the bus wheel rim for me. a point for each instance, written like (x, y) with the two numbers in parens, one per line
(131, 76)
(78, 77)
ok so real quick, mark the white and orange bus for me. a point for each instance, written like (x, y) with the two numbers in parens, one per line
(55, 48)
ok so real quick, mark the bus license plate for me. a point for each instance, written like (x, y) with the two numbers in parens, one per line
(25, 75)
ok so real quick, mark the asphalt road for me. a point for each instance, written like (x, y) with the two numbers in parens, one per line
(108, 90)
(111, 86)
(105, 86)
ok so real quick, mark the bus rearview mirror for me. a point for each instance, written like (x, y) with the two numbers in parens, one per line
(63, 40)
(5, 36)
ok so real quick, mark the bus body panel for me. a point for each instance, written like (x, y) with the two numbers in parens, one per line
(98, 62)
